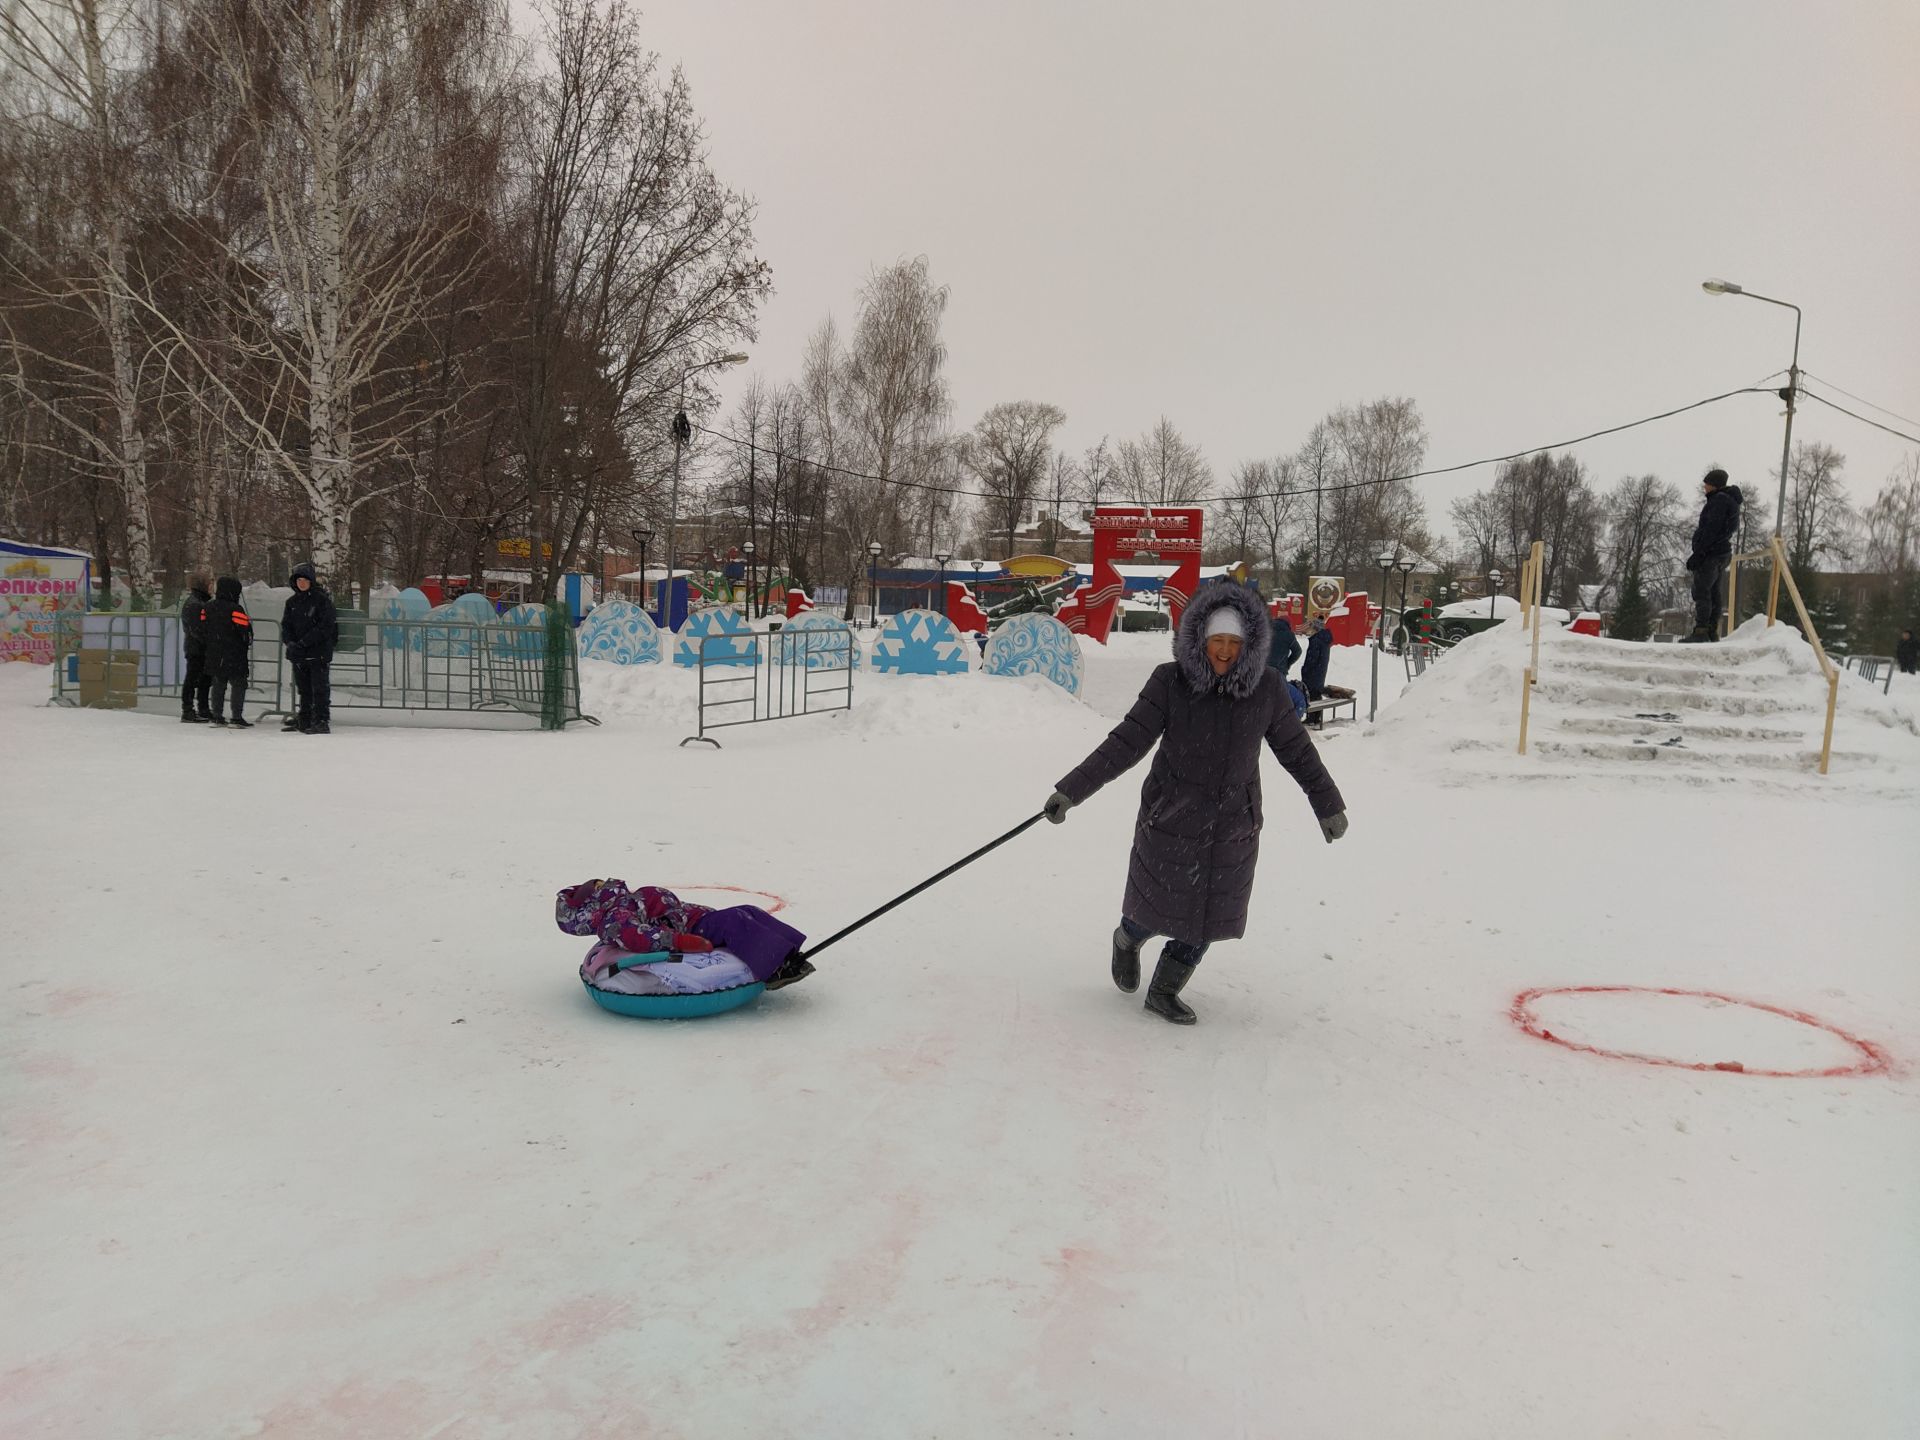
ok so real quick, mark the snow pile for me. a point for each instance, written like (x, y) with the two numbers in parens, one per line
(1751, 709)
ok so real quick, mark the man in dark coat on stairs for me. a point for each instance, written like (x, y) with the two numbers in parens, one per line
(310, 628)
(1197, 838)
(1712, 550)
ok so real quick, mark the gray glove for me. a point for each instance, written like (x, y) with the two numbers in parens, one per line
(1057, 807)
(1334, 826)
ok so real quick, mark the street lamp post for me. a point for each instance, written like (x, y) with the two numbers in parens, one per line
(873, 584)
(942, 557)
(1494, 577)
(1406, 563)
(1727, 287)
(642, 538)
(747, 550)
(1386, 567)
(683, 432)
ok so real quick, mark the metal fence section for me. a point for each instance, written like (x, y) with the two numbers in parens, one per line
(794, 673)
(438, 665)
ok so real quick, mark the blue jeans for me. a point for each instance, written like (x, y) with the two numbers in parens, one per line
(1181, 950)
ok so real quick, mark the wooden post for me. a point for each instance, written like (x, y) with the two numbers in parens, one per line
(1833, 699)
(1733, 594)
(1773, 587)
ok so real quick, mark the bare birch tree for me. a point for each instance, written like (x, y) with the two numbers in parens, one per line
(59, 51)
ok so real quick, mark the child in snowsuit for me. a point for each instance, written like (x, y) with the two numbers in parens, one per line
(229, 641)
(1197, 838)
(197, 686)
(652, 920)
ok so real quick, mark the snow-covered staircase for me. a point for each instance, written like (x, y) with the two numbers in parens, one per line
(1749, 710)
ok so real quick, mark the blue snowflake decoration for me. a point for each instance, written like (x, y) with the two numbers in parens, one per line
(820, 643)
(722, 633)
(920, 642)
(409, 604)
(452, 628)
(1037, 645)
(620, 632)
(521, 633)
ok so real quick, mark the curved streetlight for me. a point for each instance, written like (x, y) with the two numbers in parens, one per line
(873, 584)
(1386, 558)
(1727, 287)
(683, 432)
(642, 538)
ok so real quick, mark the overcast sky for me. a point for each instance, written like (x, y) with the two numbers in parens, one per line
(1242, 215)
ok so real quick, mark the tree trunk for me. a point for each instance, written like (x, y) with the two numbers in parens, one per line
(126, 399)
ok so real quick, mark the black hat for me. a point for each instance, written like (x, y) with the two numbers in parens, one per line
(1716, 479)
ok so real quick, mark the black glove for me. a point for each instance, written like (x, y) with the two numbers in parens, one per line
(1057, 807)
(1334, 826)
(1693, 562)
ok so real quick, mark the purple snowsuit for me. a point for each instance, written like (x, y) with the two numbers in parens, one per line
(1197, 837)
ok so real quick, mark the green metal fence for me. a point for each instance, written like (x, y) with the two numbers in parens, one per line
(438, 666)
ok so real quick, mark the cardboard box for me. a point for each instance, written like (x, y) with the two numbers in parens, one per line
(109, 679)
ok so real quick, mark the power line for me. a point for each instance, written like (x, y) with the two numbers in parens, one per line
(1271, 494)
(1861, 398)
(1861, 418)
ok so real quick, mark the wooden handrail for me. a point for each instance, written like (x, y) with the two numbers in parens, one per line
(1531, 576)
(1827, 667)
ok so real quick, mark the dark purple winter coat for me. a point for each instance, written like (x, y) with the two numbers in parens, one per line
(1198, 835)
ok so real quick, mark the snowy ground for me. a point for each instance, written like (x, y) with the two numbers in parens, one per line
(307, 1130)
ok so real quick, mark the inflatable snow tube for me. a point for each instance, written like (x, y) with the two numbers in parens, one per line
(657, 986)
(677, 1007)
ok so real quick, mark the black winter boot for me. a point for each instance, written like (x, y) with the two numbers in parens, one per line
(1126, 960)
(1163, 991)
(1700, 636)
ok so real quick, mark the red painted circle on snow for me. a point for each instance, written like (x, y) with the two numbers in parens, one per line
(1873, 1060)
(767, 901)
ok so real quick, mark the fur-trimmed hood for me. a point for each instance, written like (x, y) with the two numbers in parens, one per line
(1190, 641)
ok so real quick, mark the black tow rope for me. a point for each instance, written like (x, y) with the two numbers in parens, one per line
(1019, 829)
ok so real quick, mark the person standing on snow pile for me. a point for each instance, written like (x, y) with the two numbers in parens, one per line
(197, 687)
(1197, 838)
(229, 639)
(1907, 652)
(1711, 553)
(310, 628)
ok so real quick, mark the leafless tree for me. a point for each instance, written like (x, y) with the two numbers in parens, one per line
(1820, 519)
(1539, 497)
(1163, 467)
(1368, 503)
(58, 53)
(1646, 531)
(1007, 453)
(1891, 524)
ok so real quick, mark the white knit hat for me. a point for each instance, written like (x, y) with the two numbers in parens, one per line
(1226, 621)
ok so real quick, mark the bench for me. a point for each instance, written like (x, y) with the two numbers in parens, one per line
(1868, 667)
(1330, 704)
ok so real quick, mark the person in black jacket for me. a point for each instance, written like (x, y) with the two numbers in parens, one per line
(310, 628)
(1286, 646)
(1712, 550)
(229, 640)
(1907, 652)
(1313, 673)
(198, 685)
